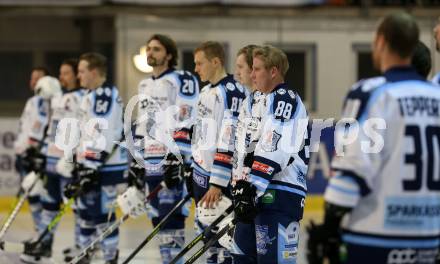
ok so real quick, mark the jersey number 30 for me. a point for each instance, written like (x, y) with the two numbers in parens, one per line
(423, 162)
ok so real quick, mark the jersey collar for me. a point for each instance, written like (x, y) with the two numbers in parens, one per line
(65, 91)
(402, 73)
(280, 86)
(226, 79)
(163, 73)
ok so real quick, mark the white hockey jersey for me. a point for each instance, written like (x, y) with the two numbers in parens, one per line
(389, 175)
(275, 129)
(247, 134)
(33, 124)
(101, 122)
(436, 79)
(65, 105)
(166, 112)
(213, 139)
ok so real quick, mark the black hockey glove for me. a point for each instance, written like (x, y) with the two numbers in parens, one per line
(244, 195)
(33, 160)
(188, 174)
(322, 245)
(173, 171)
(136, 176)
(85, 180)
(71, 189)
(325, 240)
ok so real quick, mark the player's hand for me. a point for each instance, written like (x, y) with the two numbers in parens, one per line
(210, 199)
(244, 194)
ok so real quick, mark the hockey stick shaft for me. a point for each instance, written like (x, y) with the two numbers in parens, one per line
(211, 242)
(20, 247)
(202, 235)
(16, 209)
(157, 228)
(56, 219)
(112, 228)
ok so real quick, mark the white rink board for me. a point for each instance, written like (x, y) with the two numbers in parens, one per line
(8, 177)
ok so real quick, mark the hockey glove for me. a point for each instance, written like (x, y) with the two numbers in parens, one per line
(33, 160)
(188, 173)
(322, 244)
(85, 180)
(244, 194)
(132, 202)
(71, 189)
(173, 171)
(136, 176)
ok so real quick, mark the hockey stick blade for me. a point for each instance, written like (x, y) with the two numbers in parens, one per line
(112, 228)
(211, 242)
(202, 236)
(157, 228)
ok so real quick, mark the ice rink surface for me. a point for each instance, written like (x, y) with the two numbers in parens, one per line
(132, 233)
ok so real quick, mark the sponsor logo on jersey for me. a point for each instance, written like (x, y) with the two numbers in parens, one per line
(200, 179)
(228, 136)
(404, 256)
(181, 135)
(36, 127)
(289, 254)
(223, 158)
(262, 167)
(268, 197)
(91, 155)
(153, 170)
(185, 112)
(270, 141)
(155, 149)
(301, 177)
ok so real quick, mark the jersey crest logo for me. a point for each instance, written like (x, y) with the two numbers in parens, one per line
(282, 91)
(291, 93)
(230, 86)
(270, 141)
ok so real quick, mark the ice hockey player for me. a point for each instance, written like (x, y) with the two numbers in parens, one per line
(213, 139)
(166, 89)
(27, 146)
(436, 78)
(100, 161)
(271, 166)
(380, 207)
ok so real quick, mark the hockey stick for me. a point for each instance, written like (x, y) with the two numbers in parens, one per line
(20, 247)
(202, 236)
(211, 242)
(112, 228)
(17, 206)
(157, 228)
